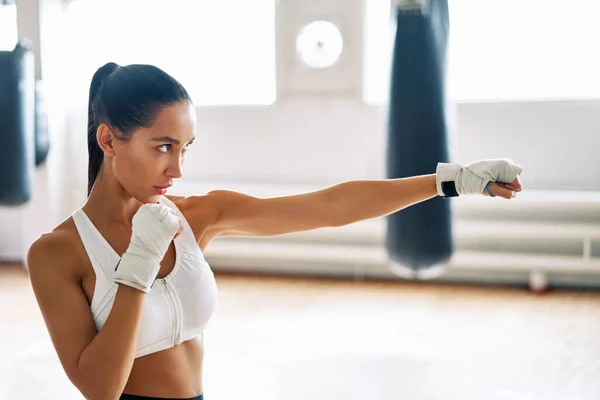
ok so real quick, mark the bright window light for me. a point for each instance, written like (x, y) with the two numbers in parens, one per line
(223, 52)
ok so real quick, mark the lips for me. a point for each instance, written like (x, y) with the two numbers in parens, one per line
(161, 189)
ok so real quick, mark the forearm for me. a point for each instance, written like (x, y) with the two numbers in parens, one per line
(359, 200)
(105, 364)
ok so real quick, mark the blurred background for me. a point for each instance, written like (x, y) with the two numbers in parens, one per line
(293, 96)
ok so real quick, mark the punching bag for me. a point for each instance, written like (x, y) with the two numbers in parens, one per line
(419, 238)
(17, 125)
(42, 139)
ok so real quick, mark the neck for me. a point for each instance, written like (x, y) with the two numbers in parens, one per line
(110, 203)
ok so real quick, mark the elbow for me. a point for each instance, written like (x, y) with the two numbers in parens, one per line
(337, 220)
(332, 211)
(96, 388)
(337, 214)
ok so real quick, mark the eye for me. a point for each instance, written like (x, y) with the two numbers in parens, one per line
(165, 148)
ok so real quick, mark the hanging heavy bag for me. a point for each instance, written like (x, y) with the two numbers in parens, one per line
(419, 237)
(17, 125)
(42, 139)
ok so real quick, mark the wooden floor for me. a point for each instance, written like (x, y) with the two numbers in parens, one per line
(277, 338)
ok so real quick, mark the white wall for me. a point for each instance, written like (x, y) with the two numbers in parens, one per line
(20, 225)
(555, 141)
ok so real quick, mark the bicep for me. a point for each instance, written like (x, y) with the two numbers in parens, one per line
(244, 215)
(63, 305)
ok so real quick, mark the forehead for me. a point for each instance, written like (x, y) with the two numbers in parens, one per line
(176, 120)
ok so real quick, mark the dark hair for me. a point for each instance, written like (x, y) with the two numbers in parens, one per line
(126, 98)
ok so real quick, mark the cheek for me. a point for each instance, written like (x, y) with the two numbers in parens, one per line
(136, 166)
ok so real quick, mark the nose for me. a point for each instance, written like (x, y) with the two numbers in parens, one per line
(176, 167)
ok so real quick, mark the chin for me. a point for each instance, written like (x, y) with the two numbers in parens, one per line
(147, 195)
(155, 198)
(147, 198)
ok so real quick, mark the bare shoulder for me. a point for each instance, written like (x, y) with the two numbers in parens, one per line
(54, 252)
(201, 213)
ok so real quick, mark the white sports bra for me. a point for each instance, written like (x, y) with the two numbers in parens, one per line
(177, 308)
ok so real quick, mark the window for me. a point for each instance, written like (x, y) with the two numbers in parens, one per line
(223, 52)
(503, 50)
(514, 49)
(378, 41)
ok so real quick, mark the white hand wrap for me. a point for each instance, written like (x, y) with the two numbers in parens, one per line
(153, 228)
(454, 179)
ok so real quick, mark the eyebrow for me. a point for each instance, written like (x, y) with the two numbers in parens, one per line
(170, 140)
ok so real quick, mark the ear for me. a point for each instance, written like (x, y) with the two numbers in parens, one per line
(105, 138)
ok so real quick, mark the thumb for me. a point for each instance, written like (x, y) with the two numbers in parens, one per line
(500, 191)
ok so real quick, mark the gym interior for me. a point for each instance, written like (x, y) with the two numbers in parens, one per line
(472, 298)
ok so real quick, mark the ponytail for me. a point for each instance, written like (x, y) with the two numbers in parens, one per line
(95, 153)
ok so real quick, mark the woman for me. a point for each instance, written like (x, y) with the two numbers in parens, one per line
(122, 284)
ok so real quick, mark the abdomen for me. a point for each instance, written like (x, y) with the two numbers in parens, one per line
(175, 372)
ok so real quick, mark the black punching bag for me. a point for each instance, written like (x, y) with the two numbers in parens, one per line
(419, 238)
(17, 125)
(42, 139)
